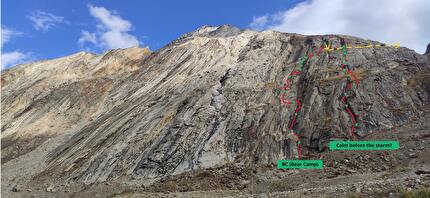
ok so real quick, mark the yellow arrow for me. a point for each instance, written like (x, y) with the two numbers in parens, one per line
(327, 47)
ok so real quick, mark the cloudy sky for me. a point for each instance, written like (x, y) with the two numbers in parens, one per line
(32, 30)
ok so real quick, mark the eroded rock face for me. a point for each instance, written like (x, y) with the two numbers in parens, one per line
(44, 102)
(207, 99)
(428, 49)
(428, 53)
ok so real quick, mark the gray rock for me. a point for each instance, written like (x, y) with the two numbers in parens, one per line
(14, 189)
(428, 49)
(207, 99)
(50, 189)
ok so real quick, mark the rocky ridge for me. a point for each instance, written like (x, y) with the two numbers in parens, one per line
(206, 100)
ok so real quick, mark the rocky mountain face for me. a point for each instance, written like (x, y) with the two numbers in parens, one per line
(47, 98)
(428, 49)
(428, 53)
(214, 97)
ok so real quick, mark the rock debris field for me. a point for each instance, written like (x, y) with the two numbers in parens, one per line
(210, 115)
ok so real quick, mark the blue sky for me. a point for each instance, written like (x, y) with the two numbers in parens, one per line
(45, 29)
(154, 23)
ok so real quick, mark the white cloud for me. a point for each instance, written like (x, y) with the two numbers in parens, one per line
(389, 21)
(44, 20)
(13, 58)
(108, 20)
(7, 34)
(112, 30)
(259, 23)
(87, 37)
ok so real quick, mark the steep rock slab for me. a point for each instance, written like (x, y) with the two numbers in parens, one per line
(207, 99)
(44, 103)
(211, 98)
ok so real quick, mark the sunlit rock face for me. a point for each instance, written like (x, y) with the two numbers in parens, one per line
(209, 98)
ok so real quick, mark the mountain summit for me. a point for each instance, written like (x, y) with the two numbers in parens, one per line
(219, 99)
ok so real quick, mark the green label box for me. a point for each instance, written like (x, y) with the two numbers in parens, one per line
(300, 164)
(364, 145)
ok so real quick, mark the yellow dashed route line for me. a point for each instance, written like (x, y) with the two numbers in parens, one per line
(329, 48)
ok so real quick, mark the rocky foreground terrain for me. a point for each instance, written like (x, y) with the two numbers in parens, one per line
(210, 114)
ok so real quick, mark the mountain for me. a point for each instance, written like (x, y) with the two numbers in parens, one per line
(428, 52)
(428, 49)
(217, 106)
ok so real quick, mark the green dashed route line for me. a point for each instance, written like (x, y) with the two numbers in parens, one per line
(286, 86)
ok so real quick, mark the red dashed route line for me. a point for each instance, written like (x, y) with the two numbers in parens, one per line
(286, 86)
(348, 86)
